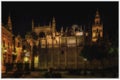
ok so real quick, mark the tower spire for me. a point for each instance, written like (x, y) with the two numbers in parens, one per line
(97, 17)
(97, 14)
(61, 29)
(9, 23)
(32, 24)
(53, 25)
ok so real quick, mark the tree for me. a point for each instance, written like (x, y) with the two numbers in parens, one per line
(113, 51)
(34, 52)
(86, 52)
(41, 34)
(95, 51)
(34, 36)
(28, 35)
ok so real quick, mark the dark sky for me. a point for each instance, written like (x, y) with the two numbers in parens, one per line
(66, 14)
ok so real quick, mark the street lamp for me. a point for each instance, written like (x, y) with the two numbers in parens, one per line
(25, 51)
(26, 59)
(23, 55)
(26, 56)
(4, 55)
(14, 55)
(85, 60)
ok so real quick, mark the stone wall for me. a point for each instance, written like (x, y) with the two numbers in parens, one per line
(65, 57)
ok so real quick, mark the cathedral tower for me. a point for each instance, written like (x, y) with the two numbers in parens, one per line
(53, 25)
(97, 28)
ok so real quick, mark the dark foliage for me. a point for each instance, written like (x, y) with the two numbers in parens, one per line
(41, 34)
(34, 35)
(94, 52)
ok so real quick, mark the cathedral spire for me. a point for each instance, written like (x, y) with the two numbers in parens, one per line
(66, 30)
(32, 25)
(53, 24)
(97, 14)
(9, 23)
(61, 29)
(97, 17)
(53, 20)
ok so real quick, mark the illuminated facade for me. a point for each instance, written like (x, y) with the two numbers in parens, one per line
(62, 49)
(97, 28)
(7, 43)
(44, 47)
(46, 29)
(56, 49)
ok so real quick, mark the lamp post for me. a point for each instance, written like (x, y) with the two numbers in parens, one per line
(23, 55)
(14, 56)
(25, 51)
(4, 56)
(26, 60)
(26, 55)
(85, 60)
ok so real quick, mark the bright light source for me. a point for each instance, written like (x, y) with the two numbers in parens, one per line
(85, 59)
(27, 54)
(71, 40)
(5, 50)
(14, 53)
(86, 34)
(25, 51)
(94, 34)
(36, 60)
(26, 59)
(79, 33)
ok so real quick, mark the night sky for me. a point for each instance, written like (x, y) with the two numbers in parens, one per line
(66, 14)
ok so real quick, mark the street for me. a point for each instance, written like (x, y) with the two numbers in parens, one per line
(63, 74)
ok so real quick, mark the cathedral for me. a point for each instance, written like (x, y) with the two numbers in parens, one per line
(62, 49)
(45, 47)
(46, 29)
(57, 48)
